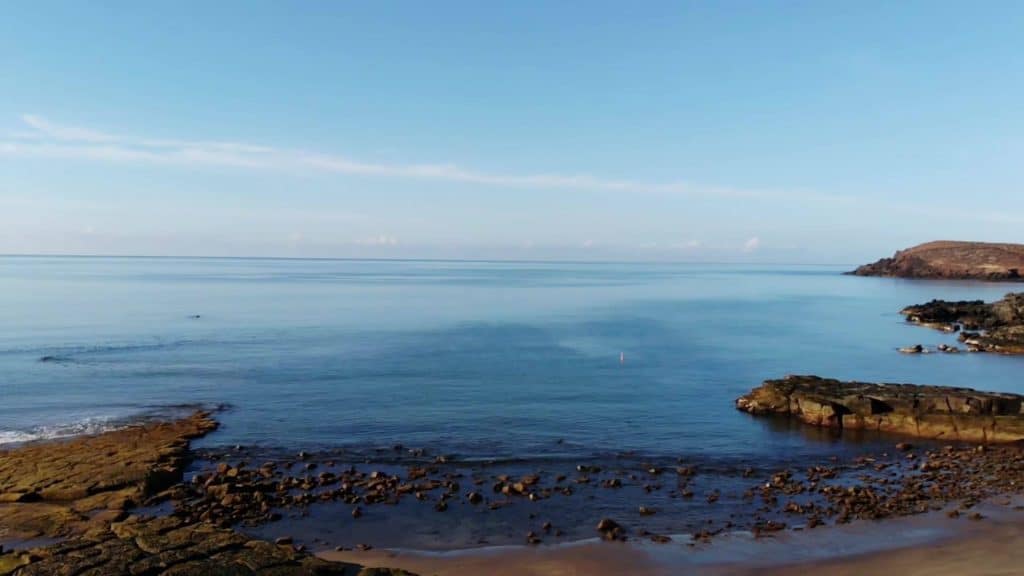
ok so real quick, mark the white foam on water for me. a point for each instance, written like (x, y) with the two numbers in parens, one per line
(15, 437)
(87, 426)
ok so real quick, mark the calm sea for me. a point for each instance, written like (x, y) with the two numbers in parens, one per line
(484, 360)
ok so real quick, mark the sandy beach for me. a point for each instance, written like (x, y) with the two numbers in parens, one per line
(991, 552)
(937, 546)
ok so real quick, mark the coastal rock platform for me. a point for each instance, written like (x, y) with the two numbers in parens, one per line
(984, 327)
(935, 412)
(66, 488)
(79, 496)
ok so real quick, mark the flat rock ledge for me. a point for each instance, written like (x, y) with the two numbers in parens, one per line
(67, 488)
(81, 492)
(934, 412)
(983, 326)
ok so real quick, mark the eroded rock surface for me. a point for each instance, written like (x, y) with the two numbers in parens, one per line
(81, 492)
(58, 489)
(983, 327)
(169, 546)
(952, 260)
(935, 412)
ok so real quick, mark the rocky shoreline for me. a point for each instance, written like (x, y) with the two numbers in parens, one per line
(933, 412)
(996, 327)
(82, 493)
(951, 260)
(134, 501)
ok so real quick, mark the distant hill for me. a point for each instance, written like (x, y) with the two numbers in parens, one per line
(952, 260)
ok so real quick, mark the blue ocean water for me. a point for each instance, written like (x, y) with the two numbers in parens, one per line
(480, 359)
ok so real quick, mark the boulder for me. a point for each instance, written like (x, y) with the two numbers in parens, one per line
(610, 529)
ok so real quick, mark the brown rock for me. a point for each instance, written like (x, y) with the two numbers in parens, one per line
(949, 259)
(610, 529)
(50, 489)
(996, 327)
(119, 468)
(925, 411)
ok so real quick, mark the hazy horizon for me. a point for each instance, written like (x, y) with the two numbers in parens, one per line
(413, 259)
(688, 132)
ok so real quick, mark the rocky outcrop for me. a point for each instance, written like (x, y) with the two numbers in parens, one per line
(952, 260)
(983, 327)
(82, 492)
(936, 412)
(60, 489)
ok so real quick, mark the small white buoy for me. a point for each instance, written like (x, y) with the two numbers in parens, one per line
(622, 357)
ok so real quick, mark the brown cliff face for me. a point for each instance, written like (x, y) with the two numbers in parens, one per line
(952, 260)
(935, 412)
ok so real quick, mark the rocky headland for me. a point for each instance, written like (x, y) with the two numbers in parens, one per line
(983, 326)
(952, 260)
(82, 495)
(933, 412)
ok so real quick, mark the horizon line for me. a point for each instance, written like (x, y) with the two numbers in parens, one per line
(408, 259)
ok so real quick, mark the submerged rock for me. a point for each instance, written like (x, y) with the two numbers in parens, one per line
(924, 411)
(915, 349)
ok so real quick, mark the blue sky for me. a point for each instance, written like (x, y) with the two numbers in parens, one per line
(814, 132)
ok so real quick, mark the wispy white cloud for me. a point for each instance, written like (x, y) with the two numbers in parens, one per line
(46, 139)
(379, 240)
(940, 212)
(68, 133)
(752, 245)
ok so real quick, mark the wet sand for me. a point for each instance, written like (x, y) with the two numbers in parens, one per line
(927, 545)
(992, 552)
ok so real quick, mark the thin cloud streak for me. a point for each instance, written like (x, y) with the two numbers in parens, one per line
(46, 139)
(43, 126)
